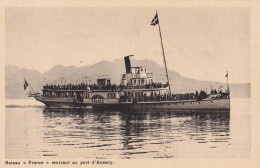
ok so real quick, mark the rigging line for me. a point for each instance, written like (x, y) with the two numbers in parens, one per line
(190, 59)
(195, 63)
(187, 57)
(66, 78)
(58, 80)
(179, 66)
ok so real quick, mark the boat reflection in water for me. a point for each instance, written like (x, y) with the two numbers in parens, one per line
(92, 133)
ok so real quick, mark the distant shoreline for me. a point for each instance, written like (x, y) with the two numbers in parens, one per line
(14, 78)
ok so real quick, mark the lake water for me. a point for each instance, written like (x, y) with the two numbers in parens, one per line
(35, 132)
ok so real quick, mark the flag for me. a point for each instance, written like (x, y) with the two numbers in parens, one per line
(226, 75)
(25, 84)
(155, 20)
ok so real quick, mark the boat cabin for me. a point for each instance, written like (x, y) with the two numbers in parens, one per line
(103, 93)
(139, 83)
(135, 76)
(103, 81)
(62, 92)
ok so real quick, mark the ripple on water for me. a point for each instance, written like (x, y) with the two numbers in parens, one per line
(115, 134)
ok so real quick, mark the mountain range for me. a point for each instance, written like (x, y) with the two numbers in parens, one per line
(14, 78)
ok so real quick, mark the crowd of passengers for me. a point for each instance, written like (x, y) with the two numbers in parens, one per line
(84, 86)
(168, 97)
(165, 97)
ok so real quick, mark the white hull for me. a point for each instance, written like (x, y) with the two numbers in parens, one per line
(217, 104)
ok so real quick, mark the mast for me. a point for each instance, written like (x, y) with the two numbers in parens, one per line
(227, 82)
(32, 88)
(29, 86)
(164, 60)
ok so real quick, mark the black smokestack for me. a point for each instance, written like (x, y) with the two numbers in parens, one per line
(128, 64)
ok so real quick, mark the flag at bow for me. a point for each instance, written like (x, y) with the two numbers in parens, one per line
(155, 20)
(25, 85)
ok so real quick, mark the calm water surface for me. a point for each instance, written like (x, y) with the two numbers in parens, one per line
(33, 131)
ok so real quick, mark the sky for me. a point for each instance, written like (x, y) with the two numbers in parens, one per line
(200, 43)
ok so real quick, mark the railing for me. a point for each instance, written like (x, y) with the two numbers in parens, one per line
(146, 86)
(180, 97)
(56, 98)
(143, 75)
(104, 87)
(153, 99)
(149, 75)
(78, 99)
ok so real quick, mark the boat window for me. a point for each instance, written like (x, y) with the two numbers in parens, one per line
(108, 95)
(85, 95)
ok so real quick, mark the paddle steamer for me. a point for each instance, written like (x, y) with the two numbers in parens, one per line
(137, 90)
